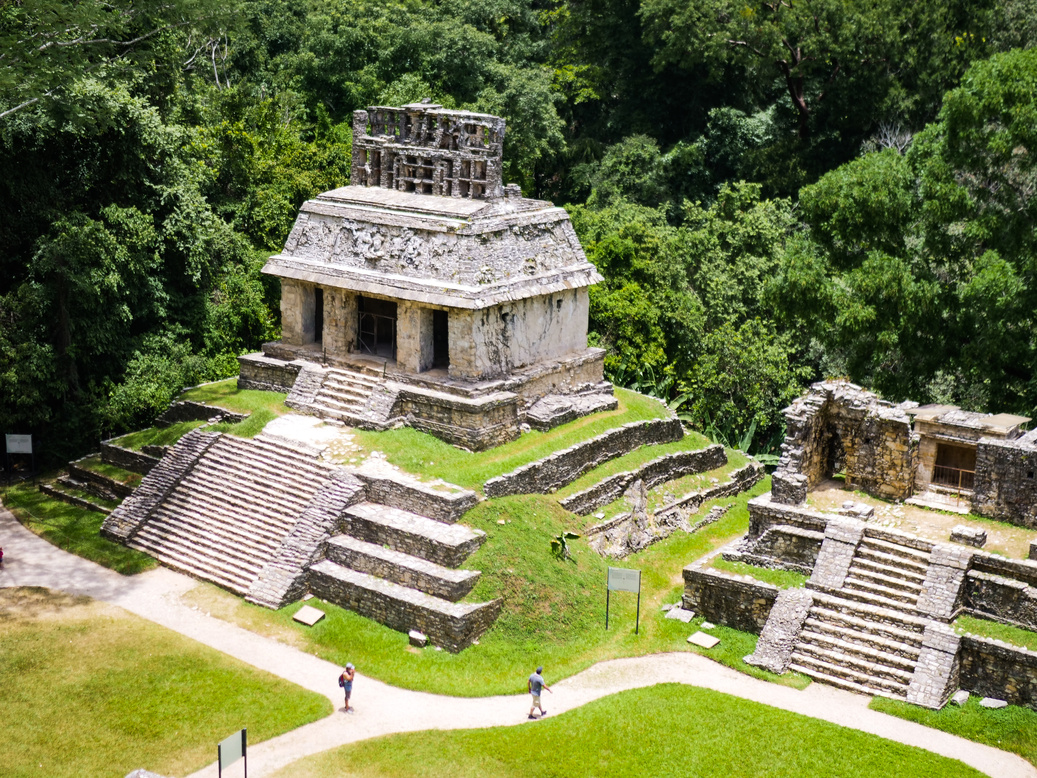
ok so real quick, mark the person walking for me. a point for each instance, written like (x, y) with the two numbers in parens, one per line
(346, 682)
(535, 685)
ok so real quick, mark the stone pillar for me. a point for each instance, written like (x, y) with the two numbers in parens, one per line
(461, 334)
(297, 310)
(340, 322)
(408, 337)
(425, 352)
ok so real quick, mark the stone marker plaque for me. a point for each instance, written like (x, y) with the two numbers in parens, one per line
(704, 640)
(308, 615)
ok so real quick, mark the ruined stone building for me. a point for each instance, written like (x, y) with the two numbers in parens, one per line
(877, 611)
(935, 454)
(428, 292)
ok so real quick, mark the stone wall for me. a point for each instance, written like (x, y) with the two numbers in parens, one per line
(735, 601)
(472, 424)
(452, 626)
(1006, 480)
(416, 497)
(664, 468)
(839, 427)
(1002, 590)
(566, 466)
(258, 371)
(127, 459)
(996, 669)
(495, 341)
(106, 484)
(187, 410)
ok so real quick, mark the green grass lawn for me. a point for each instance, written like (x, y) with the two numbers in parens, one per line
(1011, 729)
(992, 629)
(114, 472)
(661, 731)
(157, 436)
(73, 529)
(418, 452)
(90, 690)
(783, 579)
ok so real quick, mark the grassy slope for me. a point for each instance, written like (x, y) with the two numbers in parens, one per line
(554, 611)
(73, 529)
(418, 452)
(90, 690)
(662, 731)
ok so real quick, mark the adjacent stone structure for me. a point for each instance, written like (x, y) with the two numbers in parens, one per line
(938, 453)
(878, 607)
(430, 276)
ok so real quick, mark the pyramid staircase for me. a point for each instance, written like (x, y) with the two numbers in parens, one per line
(230, 514)
(268, 520)
(873, 618)
(357, 398)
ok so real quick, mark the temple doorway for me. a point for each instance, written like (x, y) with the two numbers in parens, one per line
(377, 327)
(440, 340)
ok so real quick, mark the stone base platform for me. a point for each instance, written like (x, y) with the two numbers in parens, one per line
(373, 393)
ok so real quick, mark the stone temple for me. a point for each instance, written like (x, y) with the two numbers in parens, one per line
(426, 293)
(429, 293)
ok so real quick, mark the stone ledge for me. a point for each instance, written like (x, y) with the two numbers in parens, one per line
(566, 466)
(659, 470)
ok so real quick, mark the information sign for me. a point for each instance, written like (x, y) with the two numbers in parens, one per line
(621, 579)
(231, 750)
(19, 444)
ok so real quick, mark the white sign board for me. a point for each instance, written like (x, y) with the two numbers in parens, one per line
(19, 444)
(231, 749)
(623, 580)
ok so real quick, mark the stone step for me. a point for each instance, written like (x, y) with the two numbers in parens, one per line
(245, 546)
(883, 617)
(862, 645)
(341, 376)
(229, 497)
(335, 405)
(836, 679)
(882, 637)
(227, 523)
(222, 489)
(194, 560)
(894, 604)
(346, 389)
(293, 485)
(445, 544)
(905, 554)
(908, 575)
(907, 597)
(400, 568)
(270, 457)
(878, 673)
(448, 624)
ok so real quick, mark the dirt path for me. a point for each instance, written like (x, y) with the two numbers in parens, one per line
(384, 709)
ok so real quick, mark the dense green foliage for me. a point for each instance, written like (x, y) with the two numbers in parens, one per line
(774, 192)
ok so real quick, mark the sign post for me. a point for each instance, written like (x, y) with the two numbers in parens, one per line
(231, 750)
(621, 579)
(19, 444)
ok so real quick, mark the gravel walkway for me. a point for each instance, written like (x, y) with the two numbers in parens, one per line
(384, 709)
